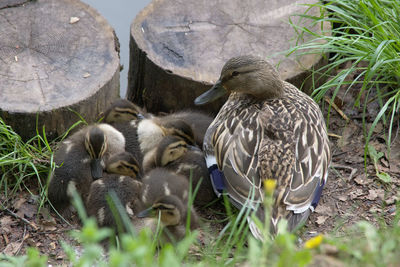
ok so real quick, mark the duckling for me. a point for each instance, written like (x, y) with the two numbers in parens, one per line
(143, 130)
(123, 111)
(81, 159)
(124, 163)
(166, 193)
(177, 156)
(124, 116)
(199, 121)
(267, 129)
(127, 190)
(151, 131)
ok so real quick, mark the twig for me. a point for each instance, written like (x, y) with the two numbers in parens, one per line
(335, 107)
(22, 219)
(24, 237)
(339, 166)
(334, 135)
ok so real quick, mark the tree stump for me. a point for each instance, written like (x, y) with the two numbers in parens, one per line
(56, 57)
(178, 49)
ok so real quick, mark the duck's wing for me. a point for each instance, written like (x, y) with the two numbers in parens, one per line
(233, 143)
(298, 158)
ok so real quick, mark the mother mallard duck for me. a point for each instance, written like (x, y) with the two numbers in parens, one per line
(267, 129)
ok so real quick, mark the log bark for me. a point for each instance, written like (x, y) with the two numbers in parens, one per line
(57, 57)
(177, 49)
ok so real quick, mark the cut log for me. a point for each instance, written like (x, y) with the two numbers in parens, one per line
(177, 49)
(57, 57)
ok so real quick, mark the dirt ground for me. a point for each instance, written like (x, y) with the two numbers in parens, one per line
(350, 195)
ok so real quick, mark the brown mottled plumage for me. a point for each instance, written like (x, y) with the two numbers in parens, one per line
(124, 163)
(125, 188)
(125, 116)
(267, 129)
(167, 194)
(151, 131)
(177, 156)
(198, 120)
(81, 159)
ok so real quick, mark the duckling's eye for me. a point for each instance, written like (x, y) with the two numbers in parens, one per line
(235, 73)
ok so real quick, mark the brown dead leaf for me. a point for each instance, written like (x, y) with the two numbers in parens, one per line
(361, 179)
(391, 200)
(27, 210)
(53, 245)
(321, 219)
(18, 203)
(356, 193)
(347, 134)
(323, 209)
(372, 194)
(12, 248)
(6, 221)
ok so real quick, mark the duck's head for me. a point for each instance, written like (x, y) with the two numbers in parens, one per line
(247, 75)
(180, 129)
(123, 110)
(170, 149)
(123, 163)
(170, 209)
(96, 146)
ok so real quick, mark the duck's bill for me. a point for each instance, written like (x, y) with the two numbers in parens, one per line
(96, 168)
(194, 148)
(214, 93)
(145, 213)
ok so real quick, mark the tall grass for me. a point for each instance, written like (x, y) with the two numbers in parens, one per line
(20, 161)
(368, 32)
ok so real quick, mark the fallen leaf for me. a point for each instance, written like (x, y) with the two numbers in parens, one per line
(53, 245)
(323, 209)
(384, 162)
(372, 194)
(361, 179)
(342, 198)
(356, 193)
(18, 203)
(6, 221)
(27, 211)
(73, 20)
(11, 249)
(321, 219)
(391, 200)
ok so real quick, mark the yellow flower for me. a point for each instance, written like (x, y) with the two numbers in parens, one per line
(313, 242)
(269, 186)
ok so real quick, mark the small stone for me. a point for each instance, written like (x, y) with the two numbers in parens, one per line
(86, 75)
(73, 20)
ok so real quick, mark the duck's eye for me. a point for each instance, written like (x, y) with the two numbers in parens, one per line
(235, 73)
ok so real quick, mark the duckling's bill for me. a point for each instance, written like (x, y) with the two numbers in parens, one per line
(145, 213)
(214, 93)
(96, 168)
